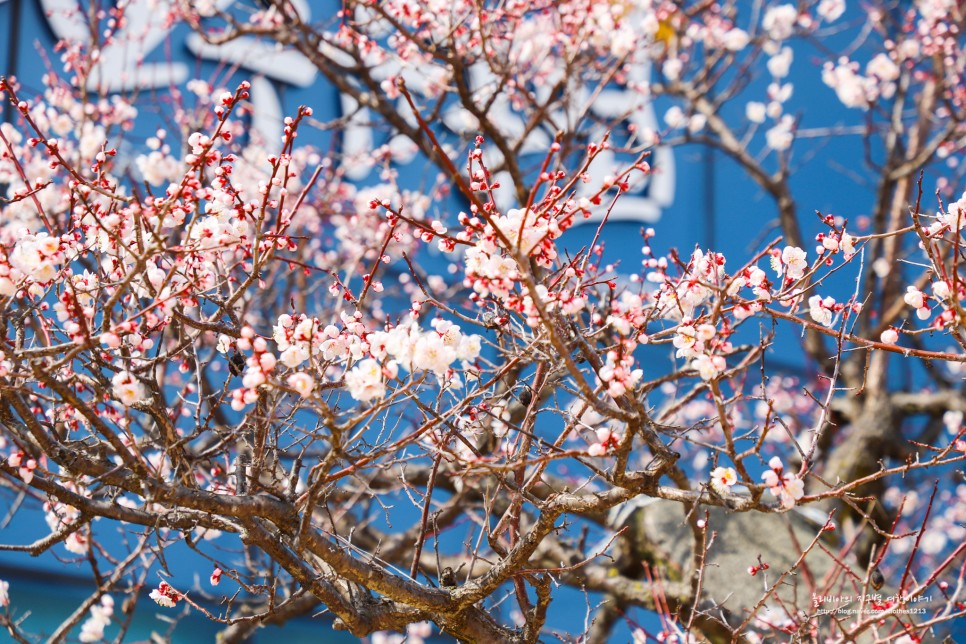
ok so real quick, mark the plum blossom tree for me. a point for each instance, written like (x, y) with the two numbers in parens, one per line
(238, 357)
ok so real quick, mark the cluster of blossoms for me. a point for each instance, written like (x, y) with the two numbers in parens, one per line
(617, 30)
(822, 310)
(159, 166)
(618, 372)
(703, 345)
(779, 23)
(491, 264)
(787, 488)
(75, 307)
(951, 218)
(855, 90)
(606, 440)
(25, 467)
(373, 357)
(709, 366)
(365, 216)
(834, 242)
(298, 337)
(755, 279)
(678, 299)
(134, 338)
(366, 380)
(919, 301)
(59, 516)
(947, 289)
(412, 349)
(92, 630)
(782, 133)
(700, 344)
(568, 300)
(628, 314)
(34, 262)
(74, 128)
(432, 350)
(260, 366)
(222, 227)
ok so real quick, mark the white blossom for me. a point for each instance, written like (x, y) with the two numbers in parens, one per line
(779, 21)
(736, 39)
(92, 630)
(883, 67)
(940, 289)
(364, 381)
(821, 310)
(433, 354)
(128, 389)
(779, 64)
(780, 137)
(162, 599)
(889, 336)
(755, 112)
(847, 244)
(794, 261)
(787, 488)
(831, 10)
(709, 367)
(686, 341)
(852, 89)
(302, 383)
(76, 543)
(224, 343)
(722, 479)
(675, 117)
(914, 297)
